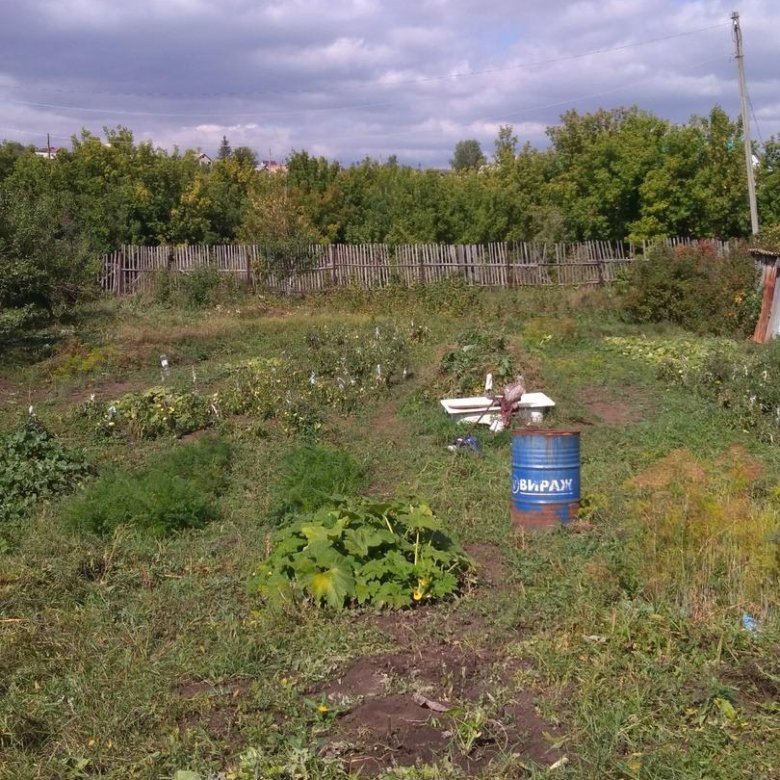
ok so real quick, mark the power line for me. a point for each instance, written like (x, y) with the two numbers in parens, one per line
(602, 93)
(33, 132)
(526, 110)
(422, 80)
(755, 119)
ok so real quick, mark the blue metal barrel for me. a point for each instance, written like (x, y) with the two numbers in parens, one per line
(545, 477)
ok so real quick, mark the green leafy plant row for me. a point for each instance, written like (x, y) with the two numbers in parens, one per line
(743, 379)
(174, 491)
(680, 358)
(364, 552)
(151, 413)
(341, 369)
(34, 465)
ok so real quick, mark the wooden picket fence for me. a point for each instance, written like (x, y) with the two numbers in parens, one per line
(138, 269)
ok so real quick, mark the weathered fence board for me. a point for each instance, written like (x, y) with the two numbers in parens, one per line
(137, 269)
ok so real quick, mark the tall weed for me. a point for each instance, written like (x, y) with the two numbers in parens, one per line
(704, 537)
(196, 289)
(175, 491)
(310, 476)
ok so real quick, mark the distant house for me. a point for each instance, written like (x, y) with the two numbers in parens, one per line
(203, 158)
(48, 153)
(271, 166)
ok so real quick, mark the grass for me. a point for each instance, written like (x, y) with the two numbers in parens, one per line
(134, 656)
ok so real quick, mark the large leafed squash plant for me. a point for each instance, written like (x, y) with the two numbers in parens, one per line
(364, 552)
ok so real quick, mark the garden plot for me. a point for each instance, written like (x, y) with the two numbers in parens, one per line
(138, 648)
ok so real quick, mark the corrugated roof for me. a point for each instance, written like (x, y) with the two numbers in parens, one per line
(763, 253)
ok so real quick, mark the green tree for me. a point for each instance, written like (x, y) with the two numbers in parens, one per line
(768, 182)
(44, 263)
(245, 156)
(505, 146)
(10, 152)
(600, 162)
(225, 152)
(313, 183)
(699, 188)
(276, 221)
(467, 156)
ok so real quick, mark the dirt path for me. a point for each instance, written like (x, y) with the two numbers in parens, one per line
(449, 690)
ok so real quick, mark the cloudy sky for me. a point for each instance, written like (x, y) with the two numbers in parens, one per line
(350, 78)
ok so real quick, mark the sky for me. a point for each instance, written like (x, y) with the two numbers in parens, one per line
(354, 78)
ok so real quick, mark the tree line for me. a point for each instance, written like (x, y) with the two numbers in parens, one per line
(610, 174)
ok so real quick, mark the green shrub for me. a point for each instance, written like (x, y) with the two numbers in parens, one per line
(34, 465)
(769, 238)
(195, 289)
(204, 463)
(694, 287)
(452, 295)
(15, 321)
(364, 552)
(310, 476)
(175, 491)
(463, 370)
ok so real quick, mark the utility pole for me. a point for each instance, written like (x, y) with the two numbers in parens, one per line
(740, 58)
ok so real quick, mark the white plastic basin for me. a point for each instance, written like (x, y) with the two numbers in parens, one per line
(485, 411)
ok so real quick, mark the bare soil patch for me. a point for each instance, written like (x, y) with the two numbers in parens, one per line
(387, 426)
(9, 388)
(392, 717)
(387, 732)
(107, 391)
(491, 569)
(14, 394)
(449, 659)
(601, 403)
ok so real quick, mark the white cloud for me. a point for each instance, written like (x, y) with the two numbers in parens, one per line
(357, 77)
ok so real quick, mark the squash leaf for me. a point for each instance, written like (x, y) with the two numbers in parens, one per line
(334, 585)
(421, 517)
(358, 541)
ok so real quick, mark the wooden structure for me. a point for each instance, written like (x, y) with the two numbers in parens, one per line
(768, 325)
(137, 269)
